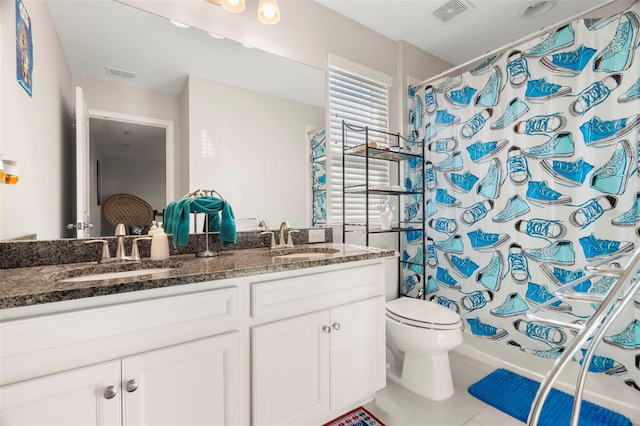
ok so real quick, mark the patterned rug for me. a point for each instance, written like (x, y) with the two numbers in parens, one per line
(357, 417)
(513, 394)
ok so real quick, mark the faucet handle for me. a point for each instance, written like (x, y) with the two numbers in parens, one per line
(105, 249)
(135, 253)
(273, 238)
(289, 239)
(121, 231)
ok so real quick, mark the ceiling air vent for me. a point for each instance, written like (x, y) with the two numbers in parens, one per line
(120, 73)
(451, 9)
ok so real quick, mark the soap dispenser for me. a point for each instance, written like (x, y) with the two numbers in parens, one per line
(153, 229)
(159, 244)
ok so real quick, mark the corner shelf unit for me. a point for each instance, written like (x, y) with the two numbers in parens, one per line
(372, 144)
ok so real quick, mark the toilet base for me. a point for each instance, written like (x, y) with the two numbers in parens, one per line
(427, 375)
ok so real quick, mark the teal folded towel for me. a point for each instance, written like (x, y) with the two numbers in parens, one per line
(221, 218)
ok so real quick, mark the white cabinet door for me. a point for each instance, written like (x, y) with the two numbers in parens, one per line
(357, 351)
(82, 397)
(290, 371)
(195, 383)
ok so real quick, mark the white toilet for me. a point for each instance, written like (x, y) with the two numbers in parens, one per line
(425, 332)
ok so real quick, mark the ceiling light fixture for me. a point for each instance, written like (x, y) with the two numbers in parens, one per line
(538, 8)
(233, 6)
(268, 10)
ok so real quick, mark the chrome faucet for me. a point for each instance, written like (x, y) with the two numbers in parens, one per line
(284, 226)
(120, 252)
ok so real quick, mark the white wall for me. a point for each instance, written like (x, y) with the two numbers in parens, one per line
(36, 130)
(257, 159)
(413, 66)
(1, 53)
(143, 178)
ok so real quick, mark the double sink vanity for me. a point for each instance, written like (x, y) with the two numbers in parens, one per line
(252, 336)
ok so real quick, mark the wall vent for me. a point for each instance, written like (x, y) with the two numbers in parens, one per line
(120, 73)
(451, 9)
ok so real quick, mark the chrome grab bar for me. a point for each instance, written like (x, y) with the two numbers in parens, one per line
(594, 329)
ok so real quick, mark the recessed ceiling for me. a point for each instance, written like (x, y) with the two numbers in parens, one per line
(120, 139)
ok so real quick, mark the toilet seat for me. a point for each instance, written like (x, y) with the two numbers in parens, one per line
(422, 314)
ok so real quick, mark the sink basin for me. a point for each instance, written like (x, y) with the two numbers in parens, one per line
(119, 274)
(114, 270)
(300, 253)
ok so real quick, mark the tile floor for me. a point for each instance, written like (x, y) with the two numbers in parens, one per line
(396, 406)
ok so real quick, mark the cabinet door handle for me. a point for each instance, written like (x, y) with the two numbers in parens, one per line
(110, 392)
(326, 329)
(131, 385)
(336, 326)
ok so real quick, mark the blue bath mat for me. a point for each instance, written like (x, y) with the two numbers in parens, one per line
(513, 394)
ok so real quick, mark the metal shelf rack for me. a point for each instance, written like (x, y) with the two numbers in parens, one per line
(371, 144)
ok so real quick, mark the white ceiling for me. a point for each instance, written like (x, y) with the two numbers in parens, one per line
(119, 139)
(485, 26)
(100, 33)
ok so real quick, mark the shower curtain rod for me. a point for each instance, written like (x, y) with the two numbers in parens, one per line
(521, 40)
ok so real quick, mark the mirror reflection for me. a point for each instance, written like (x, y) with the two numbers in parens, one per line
(240, 115)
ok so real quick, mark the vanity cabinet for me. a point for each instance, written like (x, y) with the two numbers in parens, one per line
(70, 398)
(192, 383)
(309, 368)
(294, 347)
(166, 360)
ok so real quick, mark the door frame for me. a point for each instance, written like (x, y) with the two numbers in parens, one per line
(148, 121)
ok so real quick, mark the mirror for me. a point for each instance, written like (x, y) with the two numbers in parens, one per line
(243, 113)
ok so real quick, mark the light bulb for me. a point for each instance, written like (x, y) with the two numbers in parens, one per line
(269, 12)
(234, 6)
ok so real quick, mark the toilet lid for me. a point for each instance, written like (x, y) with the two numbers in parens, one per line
(422, 311)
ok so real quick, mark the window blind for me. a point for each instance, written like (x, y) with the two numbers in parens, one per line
(364, 102)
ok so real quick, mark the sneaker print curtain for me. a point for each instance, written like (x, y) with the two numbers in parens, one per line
(318, 160)
(531, 173)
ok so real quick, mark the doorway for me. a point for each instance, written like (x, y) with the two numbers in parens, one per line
(128, 155)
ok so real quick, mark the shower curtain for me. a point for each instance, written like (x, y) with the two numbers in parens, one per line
(531, 173)
(318, 161)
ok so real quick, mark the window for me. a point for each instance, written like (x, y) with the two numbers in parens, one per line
(359, 96)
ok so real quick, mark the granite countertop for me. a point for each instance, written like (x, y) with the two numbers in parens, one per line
(41, 284)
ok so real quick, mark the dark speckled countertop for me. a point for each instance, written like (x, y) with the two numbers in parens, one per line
(41, 284)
